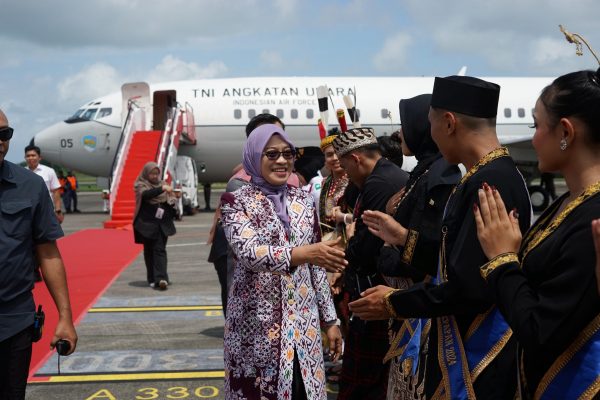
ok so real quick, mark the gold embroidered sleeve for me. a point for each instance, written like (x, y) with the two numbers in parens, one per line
(497, 261)
(388, 304)
(409, 246)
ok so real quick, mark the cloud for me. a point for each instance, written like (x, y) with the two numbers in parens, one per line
(547, 50)
(271, 60)
(507, 35)
(93, 81)
(286, 7)
(174, 69)
(101, 78)
(393, 55)
(118, 23)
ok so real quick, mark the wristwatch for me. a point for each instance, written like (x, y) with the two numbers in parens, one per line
(58, 211)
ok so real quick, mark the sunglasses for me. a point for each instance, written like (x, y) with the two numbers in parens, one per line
(6, 133)
(274, 154)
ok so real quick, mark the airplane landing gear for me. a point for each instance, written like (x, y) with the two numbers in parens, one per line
(207, 190)
(540, 198)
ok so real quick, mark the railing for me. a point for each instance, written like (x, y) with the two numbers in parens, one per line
(165, 141)
(135, 121)
(169, 168)
(189, 125)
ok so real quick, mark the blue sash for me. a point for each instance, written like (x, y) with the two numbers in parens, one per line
(576, 372)
(407, 343)
(462, 363)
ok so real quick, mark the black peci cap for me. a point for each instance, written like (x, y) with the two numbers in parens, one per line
(466, 95)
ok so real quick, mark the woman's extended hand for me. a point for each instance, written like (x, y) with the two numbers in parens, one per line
(329, 255)
(325, 254)
(371, 305)
(167, 188)
(498, 231)
(596, 235)
(334, 337)
(385, 227)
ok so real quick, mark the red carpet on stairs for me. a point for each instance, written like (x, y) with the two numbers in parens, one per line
(93, 259)
(144, 148)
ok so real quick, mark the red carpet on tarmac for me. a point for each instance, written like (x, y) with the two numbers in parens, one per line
(93, 259)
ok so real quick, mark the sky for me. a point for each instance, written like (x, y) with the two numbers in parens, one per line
(57, 55)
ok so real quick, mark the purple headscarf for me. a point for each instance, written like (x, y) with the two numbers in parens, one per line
(252, 158)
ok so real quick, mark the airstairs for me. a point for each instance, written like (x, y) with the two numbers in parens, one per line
(139, 144)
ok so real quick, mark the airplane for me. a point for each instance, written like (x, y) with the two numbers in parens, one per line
(88, 140)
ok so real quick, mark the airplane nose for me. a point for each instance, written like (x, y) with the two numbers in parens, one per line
(48, 140)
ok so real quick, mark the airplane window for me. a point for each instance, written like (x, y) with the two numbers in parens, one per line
(294, 113)
(77, 114)
(77, 117)
(279, 113)
(310, 114)
(251, 113)
(104, 112)
(237, 113)
(266, 111)
(521, 112)
(384, 113)
(507, 112)
(89, 114)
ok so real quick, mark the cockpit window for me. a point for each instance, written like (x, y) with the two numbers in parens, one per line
(89, 114)
(104, 112)
(77, 114)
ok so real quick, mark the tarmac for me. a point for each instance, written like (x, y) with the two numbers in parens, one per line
(141, 343)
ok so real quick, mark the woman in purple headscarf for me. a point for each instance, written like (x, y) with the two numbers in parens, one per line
(280, 298)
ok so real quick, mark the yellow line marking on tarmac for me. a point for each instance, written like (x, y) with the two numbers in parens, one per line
(153, 309)
(132, 377)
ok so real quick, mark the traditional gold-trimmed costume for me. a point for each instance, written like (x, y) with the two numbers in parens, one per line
(419, 208)
(551, 301)
(461, 345)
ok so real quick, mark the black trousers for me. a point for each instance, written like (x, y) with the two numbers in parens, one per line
(155, 257)
(221, 268)
(298, 390)
(74, 199)
(15, 353)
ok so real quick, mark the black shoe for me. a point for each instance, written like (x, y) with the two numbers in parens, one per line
(76, 211)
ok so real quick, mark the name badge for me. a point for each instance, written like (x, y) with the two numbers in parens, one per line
(159, 213)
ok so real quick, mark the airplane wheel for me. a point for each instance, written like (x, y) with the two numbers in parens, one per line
(540, 198)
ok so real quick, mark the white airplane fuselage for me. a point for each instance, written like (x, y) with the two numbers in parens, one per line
(223, 107)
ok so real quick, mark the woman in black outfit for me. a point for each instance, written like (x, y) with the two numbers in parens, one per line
(544, 283)
(153, 222)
